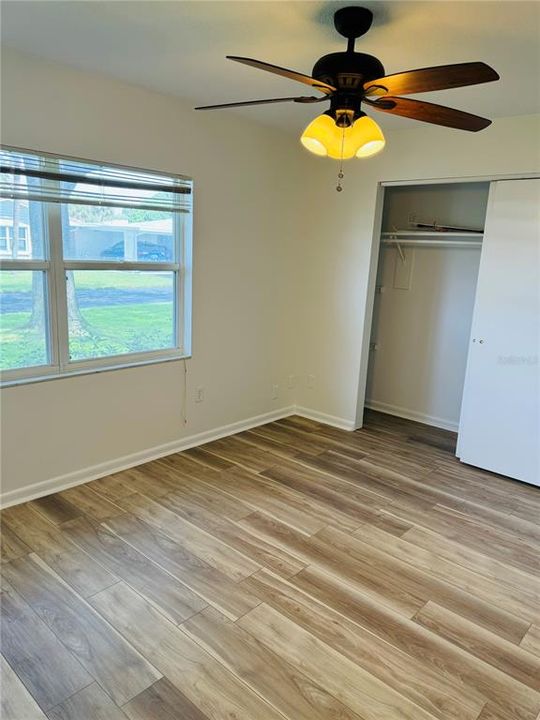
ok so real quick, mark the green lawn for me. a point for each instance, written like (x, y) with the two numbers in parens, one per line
(111, 331)
(90, 279)
(114, 320)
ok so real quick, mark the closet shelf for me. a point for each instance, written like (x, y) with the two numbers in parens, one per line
(432, 238)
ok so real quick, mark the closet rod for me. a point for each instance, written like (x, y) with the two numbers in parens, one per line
(433, 243)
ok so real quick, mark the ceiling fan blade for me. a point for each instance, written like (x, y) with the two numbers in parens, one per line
(428, 112)
(291, 74)
(441, 77)
(262, 102)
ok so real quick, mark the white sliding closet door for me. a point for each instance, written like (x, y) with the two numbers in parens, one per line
(499, 427)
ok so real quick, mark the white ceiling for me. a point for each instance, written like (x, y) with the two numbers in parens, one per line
(179, 47)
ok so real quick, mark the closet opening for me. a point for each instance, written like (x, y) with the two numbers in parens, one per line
(429, 257)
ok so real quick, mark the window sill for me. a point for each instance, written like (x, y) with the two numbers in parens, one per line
(91, 370)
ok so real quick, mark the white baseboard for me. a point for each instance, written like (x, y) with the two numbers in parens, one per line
(413, 415)
(78, 477)
(337, 422)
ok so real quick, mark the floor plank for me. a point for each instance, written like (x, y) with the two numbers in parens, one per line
(200, 495)
(235, 452)
(90, 503)
(16, 703)
(292, 571)
(55, 508)
(334, 492)
(204, 580)
(512, 660)
(210, 549)
(278, 682)
(252, 547)
(292, 509)
(122, 671)
(520, 702)
(333, 671)
(69, 561)
(413, 678)
(114, 486)
(207, 683)
(531, 641)
(164, 591)
(11, 545)
(515, 600)
(26, 641)
(162, 701)
(473, 559)
(90, 702)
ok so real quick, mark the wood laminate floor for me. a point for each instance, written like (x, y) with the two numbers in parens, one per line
(293, 571)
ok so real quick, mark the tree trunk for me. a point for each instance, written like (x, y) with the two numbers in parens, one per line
(78, 327)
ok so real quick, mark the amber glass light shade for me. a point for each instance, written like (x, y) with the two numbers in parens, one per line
(323, 137)
(370, 136)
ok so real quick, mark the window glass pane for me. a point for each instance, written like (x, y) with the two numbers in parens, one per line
(22, 219)
(23, 321)
(112, 312)
(93, 232)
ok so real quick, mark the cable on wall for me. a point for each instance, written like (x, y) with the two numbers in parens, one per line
(184, 394)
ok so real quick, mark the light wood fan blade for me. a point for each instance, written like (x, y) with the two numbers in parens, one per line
(301, 99)
(291, 74)
(431, 113)
(441, 77)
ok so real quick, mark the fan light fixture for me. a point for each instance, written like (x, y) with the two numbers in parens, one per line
(324, 137)
(350, 79)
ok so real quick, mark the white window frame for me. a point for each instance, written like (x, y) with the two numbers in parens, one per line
(55, 266)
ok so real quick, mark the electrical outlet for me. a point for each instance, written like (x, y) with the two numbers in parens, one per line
(199, 394)
(311, 381)
(275, 392)
(291, 382)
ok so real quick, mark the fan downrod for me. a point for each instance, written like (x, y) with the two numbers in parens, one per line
(353, 22)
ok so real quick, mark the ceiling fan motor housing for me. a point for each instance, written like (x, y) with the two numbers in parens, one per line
(347, 71)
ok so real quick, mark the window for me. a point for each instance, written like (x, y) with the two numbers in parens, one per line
(23, 235)
(100, 274)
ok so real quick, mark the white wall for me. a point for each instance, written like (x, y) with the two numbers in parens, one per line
(244, 227)
(422, 334)
(335, 250)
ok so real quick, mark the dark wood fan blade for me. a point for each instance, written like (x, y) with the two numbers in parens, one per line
(262, 102)
(428, 112)
(442, 77)
(291, 74)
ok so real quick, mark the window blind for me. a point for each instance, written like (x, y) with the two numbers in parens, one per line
(45, 178)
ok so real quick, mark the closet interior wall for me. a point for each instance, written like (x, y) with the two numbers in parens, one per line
(424, 304)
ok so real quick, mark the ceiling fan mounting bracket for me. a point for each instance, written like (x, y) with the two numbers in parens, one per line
(353, 22)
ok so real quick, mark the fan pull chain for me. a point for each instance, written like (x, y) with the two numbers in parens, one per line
(339, 187)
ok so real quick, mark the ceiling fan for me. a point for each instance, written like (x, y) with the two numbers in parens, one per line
(348, 79)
